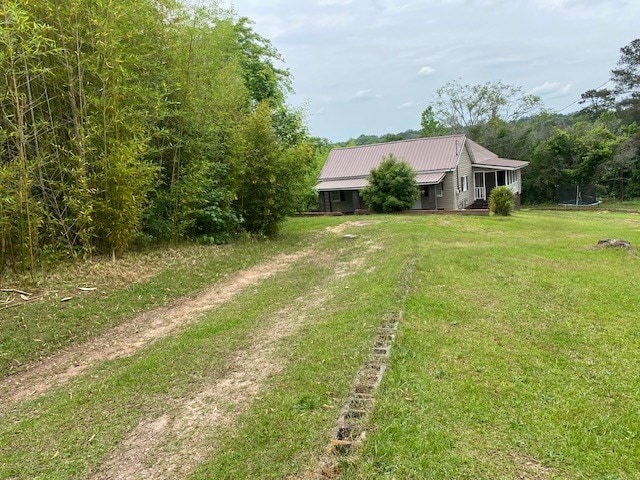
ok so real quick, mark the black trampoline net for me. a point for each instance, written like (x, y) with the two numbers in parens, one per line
(578, 195)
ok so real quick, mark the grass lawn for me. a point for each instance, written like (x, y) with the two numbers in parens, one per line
(517, 356)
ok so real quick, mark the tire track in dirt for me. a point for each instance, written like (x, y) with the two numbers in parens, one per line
(172, 445)
(133, 335)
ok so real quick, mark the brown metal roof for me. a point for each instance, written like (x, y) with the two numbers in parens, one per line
(478, 153)
(502, 163)
(348, 184)
(422, 154)
(430, 178)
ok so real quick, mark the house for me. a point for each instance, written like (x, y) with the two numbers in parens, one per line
(453, 173)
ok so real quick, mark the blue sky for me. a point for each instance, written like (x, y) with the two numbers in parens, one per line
(372, 66)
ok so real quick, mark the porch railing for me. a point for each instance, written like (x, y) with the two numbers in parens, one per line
(514, 187)
(480, 193)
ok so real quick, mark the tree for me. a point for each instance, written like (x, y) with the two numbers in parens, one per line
(460, 106)
(258, 57)
(627, 76)
(627, 80)
(392, 186)
(431, 126)
(121, 121)
(598, 102)
(271, 176)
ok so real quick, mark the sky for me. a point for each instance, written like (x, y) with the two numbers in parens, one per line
(372, 66)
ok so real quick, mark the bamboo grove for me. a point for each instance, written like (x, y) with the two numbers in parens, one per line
(128, 121)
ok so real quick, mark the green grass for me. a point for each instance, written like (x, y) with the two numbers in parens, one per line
(517, 356)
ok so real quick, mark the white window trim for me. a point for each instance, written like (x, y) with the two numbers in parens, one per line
(440, 192)
(464, 183)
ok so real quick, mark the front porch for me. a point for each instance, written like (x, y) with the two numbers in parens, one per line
(486, 180)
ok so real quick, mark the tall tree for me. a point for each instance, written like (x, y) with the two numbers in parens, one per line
(459, 106)
(597, 102)
(627, 80)
(258, 58)
(272, 178)
(431, 126)
(627, 75)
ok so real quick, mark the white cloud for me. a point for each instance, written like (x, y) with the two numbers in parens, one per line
(426, 71)
(551, 89)
(406, 105)
(365, 95)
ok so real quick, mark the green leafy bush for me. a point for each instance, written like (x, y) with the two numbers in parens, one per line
(501, 201)
(392, 187)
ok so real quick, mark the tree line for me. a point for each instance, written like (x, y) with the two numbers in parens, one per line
(136, 121)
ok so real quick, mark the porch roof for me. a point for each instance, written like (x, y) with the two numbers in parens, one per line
(430, 178)
(361, 182)
(343, 184)
(501, 164)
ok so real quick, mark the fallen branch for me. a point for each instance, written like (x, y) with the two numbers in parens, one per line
(13, 290)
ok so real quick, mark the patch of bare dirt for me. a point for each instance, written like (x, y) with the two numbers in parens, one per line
(346, 269)
(133, 335)
(351, 224)
(528, 468)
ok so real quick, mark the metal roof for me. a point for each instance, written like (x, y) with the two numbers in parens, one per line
(361, 182)
(422, 154)
(502, 163)
(430, 178)
(349, 184)
(481, 157)
(478, 153)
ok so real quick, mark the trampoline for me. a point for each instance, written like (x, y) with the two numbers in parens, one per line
(578, 196)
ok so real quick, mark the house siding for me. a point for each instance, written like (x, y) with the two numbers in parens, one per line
(465, 168)
(519, 182)
(448, 199)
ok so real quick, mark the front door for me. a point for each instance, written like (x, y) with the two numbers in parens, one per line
(490, 181)
(480, 191)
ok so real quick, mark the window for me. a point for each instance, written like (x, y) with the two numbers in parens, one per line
(512, 177)
(464, 183)
(439, 190)
(337, 196)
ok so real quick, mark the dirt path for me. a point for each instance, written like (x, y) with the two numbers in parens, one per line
(133, 335)
(172, 445)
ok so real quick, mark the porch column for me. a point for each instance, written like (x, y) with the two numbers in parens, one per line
(355, 200)
(327, 200)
